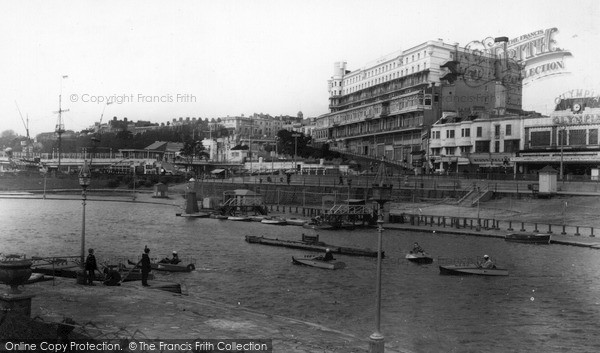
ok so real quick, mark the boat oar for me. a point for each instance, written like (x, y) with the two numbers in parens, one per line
(127, 275)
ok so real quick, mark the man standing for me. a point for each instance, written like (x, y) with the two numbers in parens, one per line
(146, 268)
(91, 266)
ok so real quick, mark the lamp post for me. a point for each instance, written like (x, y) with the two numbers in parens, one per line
(382, 193)
(84, 181)
(562, 141)
(295, 136)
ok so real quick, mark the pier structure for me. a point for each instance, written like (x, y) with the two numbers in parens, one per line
(349, 214)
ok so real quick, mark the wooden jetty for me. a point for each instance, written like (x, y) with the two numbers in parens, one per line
(309, 243)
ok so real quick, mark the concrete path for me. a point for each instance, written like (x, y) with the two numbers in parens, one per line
(134, 312)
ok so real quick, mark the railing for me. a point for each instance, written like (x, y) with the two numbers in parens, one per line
(479, 224)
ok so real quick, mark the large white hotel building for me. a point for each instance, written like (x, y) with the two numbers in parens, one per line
(388, 107)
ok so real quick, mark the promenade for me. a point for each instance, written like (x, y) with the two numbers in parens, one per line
(136, 313)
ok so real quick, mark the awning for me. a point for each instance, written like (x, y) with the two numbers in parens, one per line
(217, 171)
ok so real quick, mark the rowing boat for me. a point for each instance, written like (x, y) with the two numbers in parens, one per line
(313, 261)
(172, 267)
(239, 218)
(419, 258)
(472, 270)
(274, 221)
(296, 221)
(528, 238)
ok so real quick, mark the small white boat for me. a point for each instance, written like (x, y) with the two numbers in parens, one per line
(257, 218)
(274, 221)
(239, 218)
(296, 221)
(313, 261)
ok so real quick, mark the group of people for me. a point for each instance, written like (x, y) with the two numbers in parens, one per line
(112, 277)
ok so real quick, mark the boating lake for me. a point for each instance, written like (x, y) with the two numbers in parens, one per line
(549, 303)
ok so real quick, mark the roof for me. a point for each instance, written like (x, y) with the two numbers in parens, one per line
(245, 192)
(165, 146)
(157, 145)
(548, 169)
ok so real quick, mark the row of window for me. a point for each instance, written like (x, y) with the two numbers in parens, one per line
(466, 132)
(578, 137)
(510, 146)
(385, 78)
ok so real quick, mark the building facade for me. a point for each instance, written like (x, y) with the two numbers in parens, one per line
(567, 139)
(387, 108)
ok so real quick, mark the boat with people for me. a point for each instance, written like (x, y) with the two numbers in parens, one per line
(472, 270)
(529, 238)
(168, 267)
(419, 257)
(172, 267)
(316, 261)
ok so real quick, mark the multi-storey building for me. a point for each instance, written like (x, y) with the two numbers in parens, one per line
(387, 108)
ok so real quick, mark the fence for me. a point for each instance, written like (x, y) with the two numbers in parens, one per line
(479, 224)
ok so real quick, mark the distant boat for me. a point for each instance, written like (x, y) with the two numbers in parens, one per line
(472, 270)
(194, 215)
(296, 221)
(257, 218)
(274, 221)
(528, 238)
(309, 225)
(419, 258)
(239, 218)
(313, 261)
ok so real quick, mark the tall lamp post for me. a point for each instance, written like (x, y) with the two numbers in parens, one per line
(382, 193)
(563, 139)
(295, 136)
(84, 180)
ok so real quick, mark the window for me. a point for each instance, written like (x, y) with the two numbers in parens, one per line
(497, 130)
(511, 146)
(450, 134)
(540, 138)
(593, 136)
(465, 132)
(482, 146)
(479, 131)
(497, 146)
(508, 130)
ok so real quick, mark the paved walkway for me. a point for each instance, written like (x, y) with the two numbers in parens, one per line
(138, 313)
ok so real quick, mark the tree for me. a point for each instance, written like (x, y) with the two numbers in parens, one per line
(192, 149)
(287, 143)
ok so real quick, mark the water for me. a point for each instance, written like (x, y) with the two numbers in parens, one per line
(549, 303)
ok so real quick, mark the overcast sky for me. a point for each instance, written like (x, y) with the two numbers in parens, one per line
(244, 57)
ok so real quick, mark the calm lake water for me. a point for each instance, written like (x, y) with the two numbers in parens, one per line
(549, 303)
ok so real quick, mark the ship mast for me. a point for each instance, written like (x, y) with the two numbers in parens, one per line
(60, 126)
(28, 142)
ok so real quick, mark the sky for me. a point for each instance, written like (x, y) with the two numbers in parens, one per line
(206, 59)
